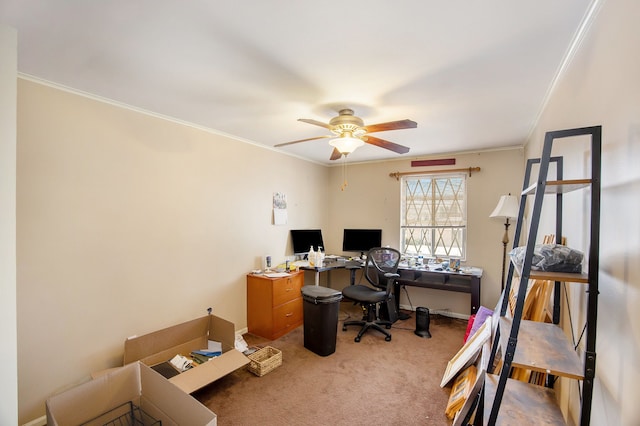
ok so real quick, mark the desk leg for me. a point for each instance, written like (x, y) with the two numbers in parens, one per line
(317, 277)
(475, 294)
(396, 295)
(352, 277)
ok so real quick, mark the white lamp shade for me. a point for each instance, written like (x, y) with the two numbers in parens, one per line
(346, 144)
(507, 207)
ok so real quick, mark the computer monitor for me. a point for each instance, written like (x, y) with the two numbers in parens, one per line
(361, 240)
(303, 239)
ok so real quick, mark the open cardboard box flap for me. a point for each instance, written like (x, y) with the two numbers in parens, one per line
(162, 345)
(134, 382)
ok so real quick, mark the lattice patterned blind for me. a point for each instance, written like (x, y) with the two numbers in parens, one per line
(434, 215)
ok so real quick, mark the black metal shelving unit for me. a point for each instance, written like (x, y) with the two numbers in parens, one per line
(540, 346)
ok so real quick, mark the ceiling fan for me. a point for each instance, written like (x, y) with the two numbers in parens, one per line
(349, 132)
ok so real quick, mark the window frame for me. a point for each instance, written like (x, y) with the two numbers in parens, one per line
(435, 229)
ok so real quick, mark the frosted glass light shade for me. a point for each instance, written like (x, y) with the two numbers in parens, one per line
(346, 144)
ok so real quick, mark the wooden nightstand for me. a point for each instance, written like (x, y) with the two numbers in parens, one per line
(274, 305)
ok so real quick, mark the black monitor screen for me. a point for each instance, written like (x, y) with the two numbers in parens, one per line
(303, 239)
(361, 240)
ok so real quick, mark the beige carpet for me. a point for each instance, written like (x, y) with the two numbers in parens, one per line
(371, 382)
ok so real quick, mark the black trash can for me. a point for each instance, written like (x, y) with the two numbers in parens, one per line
(321, 307)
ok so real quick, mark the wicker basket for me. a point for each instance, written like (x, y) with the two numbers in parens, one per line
(264, 360)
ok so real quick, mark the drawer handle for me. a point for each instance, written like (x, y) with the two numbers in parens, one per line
(289, 289)
(288, 314)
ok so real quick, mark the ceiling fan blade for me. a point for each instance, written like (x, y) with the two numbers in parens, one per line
(400, 149)
(391, 125)
(315, 122)
(302, 140)
(335, 155)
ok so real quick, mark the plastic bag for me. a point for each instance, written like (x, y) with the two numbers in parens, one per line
(550, 258)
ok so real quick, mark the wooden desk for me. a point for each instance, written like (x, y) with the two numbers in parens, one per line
(463, 282)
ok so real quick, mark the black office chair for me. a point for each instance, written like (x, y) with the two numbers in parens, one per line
(380, 270)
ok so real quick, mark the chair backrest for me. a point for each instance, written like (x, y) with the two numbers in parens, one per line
(381, 261)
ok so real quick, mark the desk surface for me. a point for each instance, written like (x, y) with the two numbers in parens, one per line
(330, 264)
(327, 266)
(465, 270)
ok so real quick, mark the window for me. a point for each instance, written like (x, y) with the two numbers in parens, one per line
(434, 215)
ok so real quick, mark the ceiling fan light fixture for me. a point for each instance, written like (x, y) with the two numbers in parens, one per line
(346, 144)
(349, 133)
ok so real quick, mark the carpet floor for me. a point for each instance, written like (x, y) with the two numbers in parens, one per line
(370, 382)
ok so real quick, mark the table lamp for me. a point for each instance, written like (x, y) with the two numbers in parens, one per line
(507, 208)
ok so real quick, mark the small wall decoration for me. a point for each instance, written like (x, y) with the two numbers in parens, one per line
(438, 162)
(279, 208)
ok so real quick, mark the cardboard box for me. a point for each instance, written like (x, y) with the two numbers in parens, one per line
(135, 383)
(160, 346)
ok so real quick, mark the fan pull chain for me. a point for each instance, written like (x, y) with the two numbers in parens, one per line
(344, 172)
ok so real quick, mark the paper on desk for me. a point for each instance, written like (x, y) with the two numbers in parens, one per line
(276, 274)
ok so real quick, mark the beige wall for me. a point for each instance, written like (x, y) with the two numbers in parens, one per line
(127, 223)
(372, 200)
(601, 87)
(8, 333)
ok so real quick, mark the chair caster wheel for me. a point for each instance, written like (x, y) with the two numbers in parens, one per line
(357, 339)
(388, 338)
(388, 327)
(344, 328)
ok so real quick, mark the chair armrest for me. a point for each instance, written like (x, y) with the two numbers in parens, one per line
(391, 275)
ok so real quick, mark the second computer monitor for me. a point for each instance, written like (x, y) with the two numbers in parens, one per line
(361, 240)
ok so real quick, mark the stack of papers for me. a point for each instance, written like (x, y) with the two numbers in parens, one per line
(276, 274)
(213, 349)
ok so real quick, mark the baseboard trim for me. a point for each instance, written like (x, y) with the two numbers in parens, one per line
(442, 312)
(40, 421)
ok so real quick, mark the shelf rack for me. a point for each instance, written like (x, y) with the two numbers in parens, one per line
(541, 346)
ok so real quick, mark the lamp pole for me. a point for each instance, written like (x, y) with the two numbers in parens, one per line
(505, 241)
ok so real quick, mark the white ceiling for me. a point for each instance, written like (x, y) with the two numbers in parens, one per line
(473, 74)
